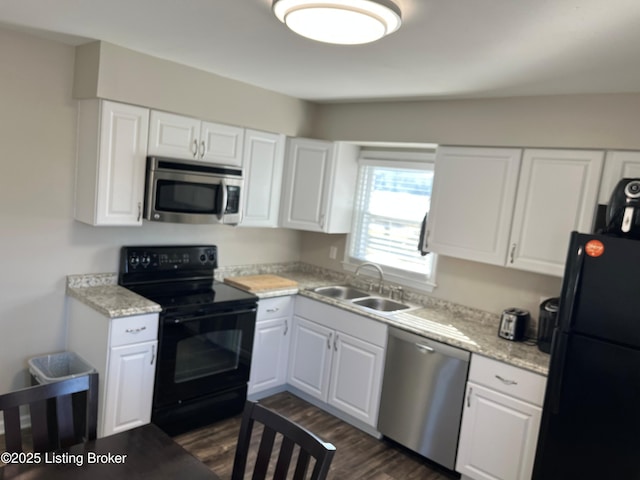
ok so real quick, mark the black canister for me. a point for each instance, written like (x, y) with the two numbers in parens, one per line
(547, 322)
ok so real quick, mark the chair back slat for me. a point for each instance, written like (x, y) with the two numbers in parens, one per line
(42, 441)
(12, 432)
(49, 434)
(264, 453)
(91, 418)
(301, 465)
(66, 426)
(284, 459)
(310, 446)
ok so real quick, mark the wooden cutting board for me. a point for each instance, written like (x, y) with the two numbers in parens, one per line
(260, 283)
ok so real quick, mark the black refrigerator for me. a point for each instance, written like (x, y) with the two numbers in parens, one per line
(591, 419)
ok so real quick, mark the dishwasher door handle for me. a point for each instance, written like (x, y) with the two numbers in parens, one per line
(424, 348)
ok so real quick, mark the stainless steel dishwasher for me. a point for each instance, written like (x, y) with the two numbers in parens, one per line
(423, 394)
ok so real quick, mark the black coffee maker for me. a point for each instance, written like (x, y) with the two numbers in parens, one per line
(547, 322)
(623, 211)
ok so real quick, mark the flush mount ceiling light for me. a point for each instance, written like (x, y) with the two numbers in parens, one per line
(346, 22)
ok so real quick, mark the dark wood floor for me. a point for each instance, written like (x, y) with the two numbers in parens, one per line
(358, 455)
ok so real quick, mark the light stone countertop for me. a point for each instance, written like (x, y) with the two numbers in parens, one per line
(456, 325)
(102, 293)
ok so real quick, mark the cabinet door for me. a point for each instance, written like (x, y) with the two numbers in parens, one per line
(110, 186)
(263, 165)
(129, 387)
(618, 165)
(310, 357)
(123, 139)
(498, 436)
(221, 144)
(174, 136)
(307, 169)
(557, 194)
(270, 355)
(472, 202)
(356, 377)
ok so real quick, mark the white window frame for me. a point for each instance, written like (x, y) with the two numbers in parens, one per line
(401, 159)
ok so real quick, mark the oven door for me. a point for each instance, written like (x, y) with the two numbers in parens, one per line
(201, 354)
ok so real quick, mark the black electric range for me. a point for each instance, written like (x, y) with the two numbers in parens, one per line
(205, 336)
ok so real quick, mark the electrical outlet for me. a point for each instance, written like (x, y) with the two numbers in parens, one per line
(333, 252)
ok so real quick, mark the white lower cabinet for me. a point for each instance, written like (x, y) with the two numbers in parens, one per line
(337, 357)
(270, 346)
(130, 379)
(500, 422)
(124, 352)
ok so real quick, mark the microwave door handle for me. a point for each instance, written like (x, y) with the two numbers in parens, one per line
(225, 199)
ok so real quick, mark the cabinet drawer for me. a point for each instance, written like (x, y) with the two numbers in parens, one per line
(513, 381)
(135, 329)
(275, 307)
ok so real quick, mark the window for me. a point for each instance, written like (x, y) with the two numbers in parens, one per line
(392, 199)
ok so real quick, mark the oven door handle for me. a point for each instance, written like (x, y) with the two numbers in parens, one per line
(208, 315)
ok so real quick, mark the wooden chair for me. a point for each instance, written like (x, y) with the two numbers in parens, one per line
(39, 398)
(292, 434)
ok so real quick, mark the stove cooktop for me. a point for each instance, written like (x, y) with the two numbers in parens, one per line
(178, 277)
(185, 294)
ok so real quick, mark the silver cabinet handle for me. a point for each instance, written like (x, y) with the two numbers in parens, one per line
(469, 396)
(335, 343)
(273, 310)
(513, 253)
(139, 211)
(322, 220)
(202, 149)
(135, 330)
(506, 381)
(286, 327)
(329, 341)
(194, 148)
(424, 348)
(153, 354)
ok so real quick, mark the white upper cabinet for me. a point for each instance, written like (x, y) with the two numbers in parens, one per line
(319, 185)
(472, 202)
(111, 158)
(263, 165)
(512, 207)
(557, 193)
(177, 136)
(618, 165)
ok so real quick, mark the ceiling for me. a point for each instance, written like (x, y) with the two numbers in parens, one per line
(444, 49)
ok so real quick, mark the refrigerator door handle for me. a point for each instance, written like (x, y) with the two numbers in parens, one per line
(575, 274)
(554, 386)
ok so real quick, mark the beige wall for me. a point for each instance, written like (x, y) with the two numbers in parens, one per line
(473, 284)
(585, 121)
(108, 71)
(40, 241)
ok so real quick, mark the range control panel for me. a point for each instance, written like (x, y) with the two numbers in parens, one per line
(168, 258)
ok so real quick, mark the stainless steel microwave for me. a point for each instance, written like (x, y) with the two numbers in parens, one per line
(184, 191)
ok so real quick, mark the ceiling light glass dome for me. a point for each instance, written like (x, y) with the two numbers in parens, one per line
(345, 22)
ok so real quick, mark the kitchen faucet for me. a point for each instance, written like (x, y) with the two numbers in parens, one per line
(377, 267)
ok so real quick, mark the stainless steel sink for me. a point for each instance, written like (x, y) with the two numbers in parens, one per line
(340, 292)
(381, 304)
